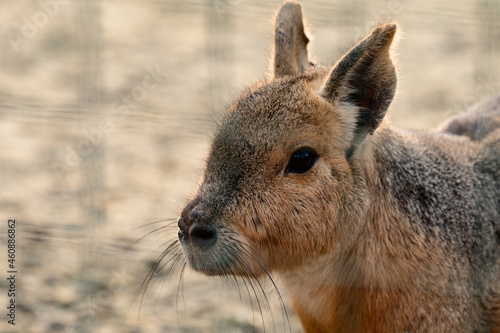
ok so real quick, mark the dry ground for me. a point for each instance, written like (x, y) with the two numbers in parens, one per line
(80, 188)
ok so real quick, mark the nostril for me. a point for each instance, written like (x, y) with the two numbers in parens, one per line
(196, 214)
(183, 230)
(203, 235)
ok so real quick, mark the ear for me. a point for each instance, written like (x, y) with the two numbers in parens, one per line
(290, 41)
(365, 79)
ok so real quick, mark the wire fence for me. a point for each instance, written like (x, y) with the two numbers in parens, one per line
(106, 110)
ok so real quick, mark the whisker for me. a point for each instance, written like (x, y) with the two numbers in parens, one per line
(171, 225)
(170, 220)
(174, 261)
(162, 245)
(180, 285)
(243, 258)
(280, 298)
(155, 231)
(251, 277)
(232, 276)
(250, 298)
(251, 253)
(157, 266)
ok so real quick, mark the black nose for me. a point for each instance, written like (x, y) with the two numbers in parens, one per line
(203, 235)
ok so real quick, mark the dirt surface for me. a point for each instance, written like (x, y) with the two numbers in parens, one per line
(106, 111)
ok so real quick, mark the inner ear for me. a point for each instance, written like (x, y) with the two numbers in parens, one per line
(365, 78)
(290, 41)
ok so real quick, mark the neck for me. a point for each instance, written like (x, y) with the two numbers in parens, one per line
(386, 261)
(397, 247)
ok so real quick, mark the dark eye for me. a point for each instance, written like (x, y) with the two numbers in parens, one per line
(302, 160)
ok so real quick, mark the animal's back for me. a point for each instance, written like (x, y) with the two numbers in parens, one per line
(481, 125)
(475, 135)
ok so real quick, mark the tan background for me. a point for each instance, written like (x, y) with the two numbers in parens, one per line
(81, 189)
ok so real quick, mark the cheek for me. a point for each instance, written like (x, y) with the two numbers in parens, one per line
(289, 225)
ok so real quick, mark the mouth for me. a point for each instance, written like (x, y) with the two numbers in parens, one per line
(200, 250)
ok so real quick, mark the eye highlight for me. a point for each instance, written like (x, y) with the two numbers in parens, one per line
(302, 160)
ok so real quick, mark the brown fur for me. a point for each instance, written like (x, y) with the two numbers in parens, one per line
(389, 231)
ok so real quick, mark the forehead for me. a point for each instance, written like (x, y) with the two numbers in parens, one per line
(270, 113)
(262, 128)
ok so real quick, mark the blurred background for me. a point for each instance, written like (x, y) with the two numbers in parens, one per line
(106, 112)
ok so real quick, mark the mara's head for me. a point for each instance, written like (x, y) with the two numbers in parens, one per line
(285, 178)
